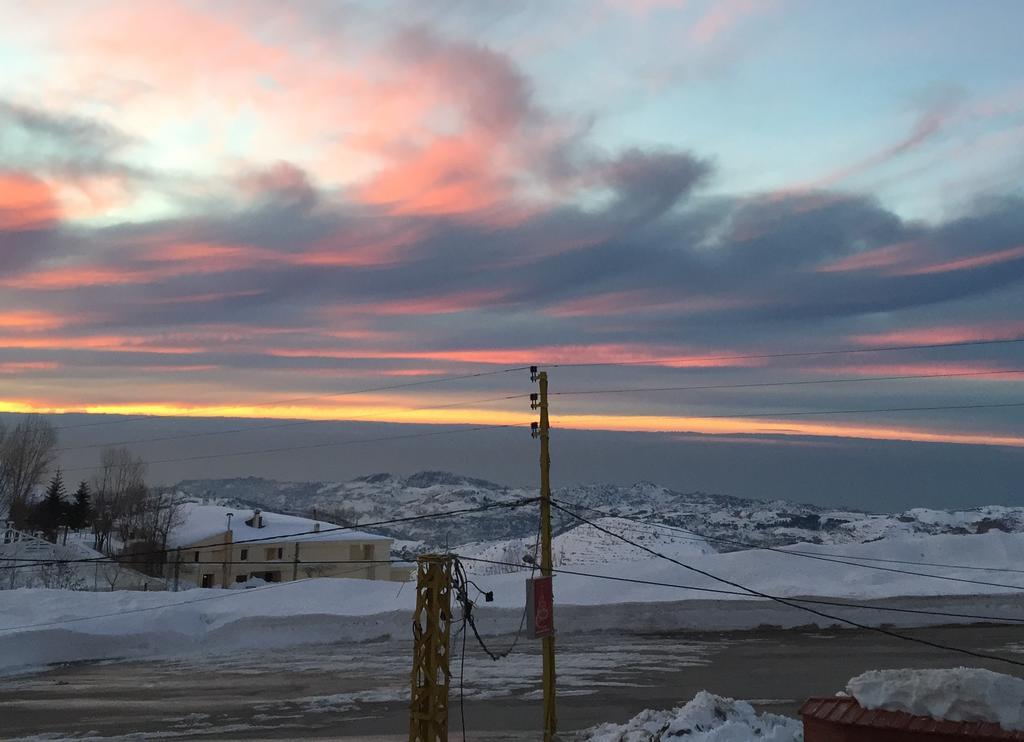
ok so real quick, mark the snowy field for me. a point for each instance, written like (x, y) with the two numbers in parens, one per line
(39, 627)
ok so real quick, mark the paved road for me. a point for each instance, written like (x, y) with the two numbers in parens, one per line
(359, 691)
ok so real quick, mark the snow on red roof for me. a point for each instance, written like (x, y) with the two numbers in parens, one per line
(845, 711)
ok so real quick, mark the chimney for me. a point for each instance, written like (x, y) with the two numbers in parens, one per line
(316, 528)
(256, 521)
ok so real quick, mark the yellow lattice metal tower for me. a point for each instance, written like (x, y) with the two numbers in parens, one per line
(431, 631)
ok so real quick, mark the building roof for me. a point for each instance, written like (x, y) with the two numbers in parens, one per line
(846, 711)
(202, 522)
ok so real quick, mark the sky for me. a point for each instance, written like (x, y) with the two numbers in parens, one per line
(323, 210)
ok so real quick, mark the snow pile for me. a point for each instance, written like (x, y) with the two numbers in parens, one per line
(955, 694)
(707, 718)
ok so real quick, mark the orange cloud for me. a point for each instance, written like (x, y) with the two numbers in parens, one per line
(451, 176)
(112, 343)
(20, 367)
(26, 203)
(31, 320)
(70, 277)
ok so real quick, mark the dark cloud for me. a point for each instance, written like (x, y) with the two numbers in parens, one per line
(43, 140)
(662, 265)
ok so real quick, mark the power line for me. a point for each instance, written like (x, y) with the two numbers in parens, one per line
(795, 354)
(808, 555)
(719, 591)
(802, 413)
(793, 604)
(797, 413)
(760, 385)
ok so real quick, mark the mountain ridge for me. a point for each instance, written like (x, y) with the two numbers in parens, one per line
(728, 522)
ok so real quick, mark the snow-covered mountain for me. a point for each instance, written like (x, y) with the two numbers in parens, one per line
(720, 518)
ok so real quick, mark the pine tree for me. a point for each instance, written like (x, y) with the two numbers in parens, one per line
(53, 507)
(80, 512)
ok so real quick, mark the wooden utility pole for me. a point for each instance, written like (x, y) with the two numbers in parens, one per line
(548, 646)
(431, 633)
(177, 568)
(295, 563)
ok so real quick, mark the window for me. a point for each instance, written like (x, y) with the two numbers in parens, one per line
(244, 556)
(368, 552)
(280, 552)
(270, 554)
(207, 580)
(196, 557)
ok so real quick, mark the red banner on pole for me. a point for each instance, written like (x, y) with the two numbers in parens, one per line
(540, 608)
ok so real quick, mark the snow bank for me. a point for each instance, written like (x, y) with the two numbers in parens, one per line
(707, 718)
(956, 694)
(41, 626)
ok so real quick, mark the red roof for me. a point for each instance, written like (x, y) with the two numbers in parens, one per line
(846, 711)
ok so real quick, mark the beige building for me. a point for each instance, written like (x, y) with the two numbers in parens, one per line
(218, 547)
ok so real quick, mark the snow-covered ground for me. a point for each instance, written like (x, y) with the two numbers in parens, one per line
(586, 545)
(43, 626)
(707, 718)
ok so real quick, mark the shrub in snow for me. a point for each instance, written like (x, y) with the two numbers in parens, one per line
(707, 718)
(956, 694)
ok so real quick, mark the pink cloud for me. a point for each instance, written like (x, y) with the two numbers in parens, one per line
(976, 261)
(942, 334)
(26, 203)
(641, 300)
(879, 257)
(722, 16)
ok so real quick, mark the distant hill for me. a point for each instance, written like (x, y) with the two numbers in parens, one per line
(770, 523)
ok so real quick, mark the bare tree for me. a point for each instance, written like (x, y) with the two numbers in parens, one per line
(26, 452)
(147, 525)
(119, 488)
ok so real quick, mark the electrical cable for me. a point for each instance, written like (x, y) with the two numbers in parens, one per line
(794, 354)
(792, 604)
(764, 384)
(460, 583)
(719, 591)
(803, 413)
(807, 555)
(700, 537)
